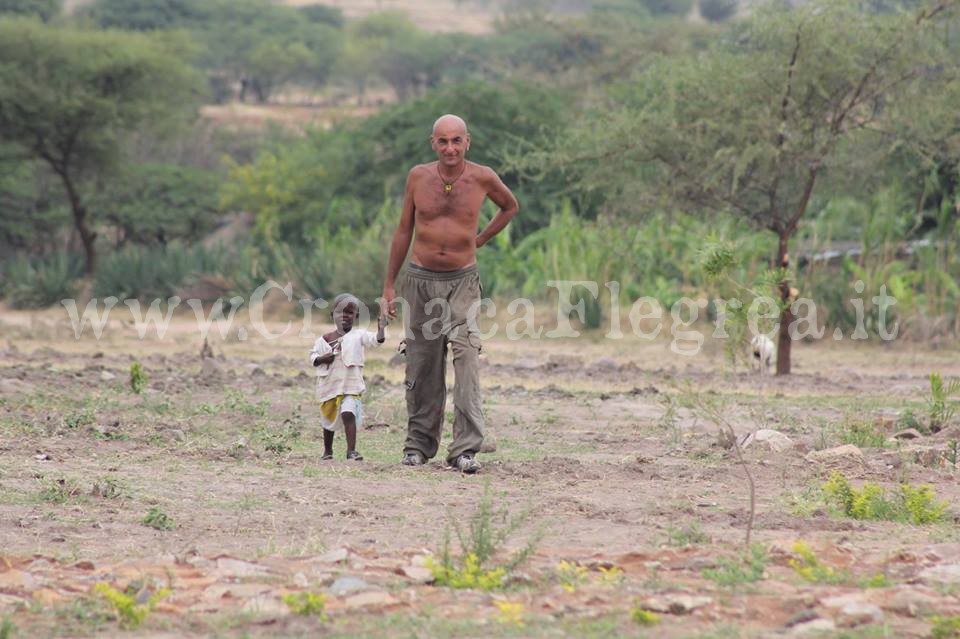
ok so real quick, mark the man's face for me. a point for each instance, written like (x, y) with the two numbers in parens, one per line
(450, 144)
(344, 316)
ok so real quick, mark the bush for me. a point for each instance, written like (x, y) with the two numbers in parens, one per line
(718, 10)
(148, 273)
(913, 504)
(38, 283)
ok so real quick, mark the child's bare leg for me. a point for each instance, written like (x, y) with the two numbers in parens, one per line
(350, 430)
(327, 444)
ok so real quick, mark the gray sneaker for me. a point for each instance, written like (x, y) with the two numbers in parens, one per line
(413, 458)
(467, 464)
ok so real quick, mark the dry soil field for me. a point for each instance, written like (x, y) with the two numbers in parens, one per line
(206, 493)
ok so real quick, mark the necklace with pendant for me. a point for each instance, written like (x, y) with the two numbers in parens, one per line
(448, 186)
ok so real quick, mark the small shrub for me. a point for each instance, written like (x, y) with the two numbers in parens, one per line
(138, 378)
(59, 491)
(487, 532)
(718, 10)
(80, 418)
(810, 568)
(130, 613)
(158, 520)
(686, 535)
(908, 419)
(746, 569)
(610, 576)
(940, 408)
(110, 488)
(878, 580)
(913, 504)
(510, 612)
(571, 575)
(7, 629)
(945, 628)
(644, 617)
(307, 604)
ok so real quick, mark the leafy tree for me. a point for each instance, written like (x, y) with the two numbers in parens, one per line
(46, 10)
(753, 126)
(68, 99)
(718, 10)
(159, 203)
(338, 178)
(148, 15)
(323, 14)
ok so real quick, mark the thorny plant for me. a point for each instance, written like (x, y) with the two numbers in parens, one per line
(712, 409)
(487, 531)
(939, 406)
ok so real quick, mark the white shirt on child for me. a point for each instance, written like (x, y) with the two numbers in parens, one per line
(345, 375)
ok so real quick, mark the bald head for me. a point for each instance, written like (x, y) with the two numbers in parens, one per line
(449, 125)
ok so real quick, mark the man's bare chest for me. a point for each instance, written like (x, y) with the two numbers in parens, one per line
(463, 202)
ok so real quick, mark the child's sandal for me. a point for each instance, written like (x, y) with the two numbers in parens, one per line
(354, 455)
(326, 457)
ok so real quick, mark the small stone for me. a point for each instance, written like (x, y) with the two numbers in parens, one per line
(257, 372)
(300, 580)
(266, 605)
(417, 574)
(858, 614)
(17, 580)
(948, 574)
(377, 598)
(47, 596)
(107, 376)
(347, 585)
(912, 601)
(605, 364)
(837, 453)
(334, 556)
(675, 604)
(767, 439)
(211, 368)
(231, 567)
(910, 433)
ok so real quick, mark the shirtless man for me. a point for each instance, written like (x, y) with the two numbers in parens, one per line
(441, 208)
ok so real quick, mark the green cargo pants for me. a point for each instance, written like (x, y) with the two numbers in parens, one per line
(440, 303)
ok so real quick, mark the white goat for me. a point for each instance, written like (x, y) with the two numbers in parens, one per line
(763, 352)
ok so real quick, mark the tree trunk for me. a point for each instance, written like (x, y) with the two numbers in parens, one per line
(87, 236)
(786, 317)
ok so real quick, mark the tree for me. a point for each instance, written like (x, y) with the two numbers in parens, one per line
(752, 126)
(69, 97)
(718, 10)
(46, 10)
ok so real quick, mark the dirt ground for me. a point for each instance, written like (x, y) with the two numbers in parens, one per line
(209, 485)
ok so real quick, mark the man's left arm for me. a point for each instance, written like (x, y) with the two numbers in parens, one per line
(502, 197)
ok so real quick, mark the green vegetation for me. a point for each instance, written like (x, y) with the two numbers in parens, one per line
(477, 565)
(307, 604)
(913, 504)
(945, 627)
(808, 566)
(623, 128)
(158, 520)
(743, 570)
(941, 408)
(644, 617)
(138, 378)
(128, 611)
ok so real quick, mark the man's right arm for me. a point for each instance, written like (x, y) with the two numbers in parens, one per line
(399, 246)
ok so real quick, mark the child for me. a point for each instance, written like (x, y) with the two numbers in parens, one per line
(338, 356)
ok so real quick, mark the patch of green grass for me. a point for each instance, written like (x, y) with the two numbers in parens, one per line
(747, 569)
(129, 612)
(158, 520)
(80, 418)
(110, 488)
(59, 491)
(7, 629)
(809, 567)
(912, 504)
(862, 434)
(235, 401)
(644, 617)
(945, 627)
(686, 535)
(138, 378)
(307, 604)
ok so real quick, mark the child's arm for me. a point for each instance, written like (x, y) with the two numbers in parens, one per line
(381, 326)
(322, 353)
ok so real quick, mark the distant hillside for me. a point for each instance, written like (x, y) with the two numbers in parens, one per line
(431, 15)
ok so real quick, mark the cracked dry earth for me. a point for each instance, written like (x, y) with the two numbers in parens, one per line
(635, 498)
